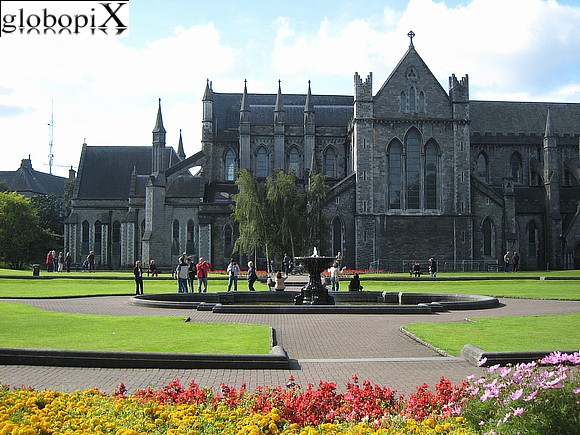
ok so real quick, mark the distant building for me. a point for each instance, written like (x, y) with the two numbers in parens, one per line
(413, 172)
(29, 182)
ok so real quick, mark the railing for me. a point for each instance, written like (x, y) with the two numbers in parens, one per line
(402, 265)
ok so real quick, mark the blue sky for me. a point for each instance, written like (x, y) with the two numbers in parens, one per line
(105, 89)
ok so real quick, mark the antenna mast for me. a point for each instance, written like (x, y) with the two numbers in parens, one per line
(50, 138)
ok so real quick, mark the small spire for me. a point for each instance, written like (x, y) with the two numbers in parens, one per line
(279, 103)
(159, 122)
(411, 35)
(245, 105)
(180, 151)
(208, 94)
(548, 132)
(308, 106)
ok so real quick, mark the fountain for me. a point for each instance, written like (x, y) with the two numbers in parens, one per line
(314, 293)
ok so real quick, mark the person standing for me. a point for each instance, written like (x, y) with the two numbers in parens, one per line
(515, 262)
(68, 261)
(433, 267)
(49, 261)
(190, 273)
(506, 261)
(339, 259)
(202, 269)
(252, 276)
(60, 261)
(138, 272)
(91, 260)
(334, 280)
(286, 264)
(233, 271)
(181, 272)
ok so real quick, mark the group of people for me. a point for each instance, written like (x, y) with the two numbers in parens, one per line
(58, 262)
(511, 260)
(415, 270)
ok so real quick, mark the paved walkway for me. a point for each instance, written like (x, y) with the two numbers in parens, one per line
(322, 348)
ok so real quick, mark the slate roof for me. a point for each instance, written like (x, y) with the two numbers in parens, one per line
(509, 117)
(29, 182)
(329, 110)
(105, 172)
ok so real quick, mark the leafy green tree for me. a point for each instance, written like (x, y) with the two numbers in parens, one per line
(21, 233)
(276, 217)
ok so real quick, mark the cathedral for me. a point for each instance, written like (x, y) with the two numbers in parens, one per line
(413, 171)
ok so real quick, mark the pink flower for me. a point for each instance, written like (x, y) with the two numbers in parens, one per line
(493, 368)
(517, 394)
(482, 361)
(531, 396)
(519, 411)
(504, 371)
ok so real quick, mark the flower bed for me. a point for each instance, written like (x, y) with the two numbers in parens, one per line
(533, 398)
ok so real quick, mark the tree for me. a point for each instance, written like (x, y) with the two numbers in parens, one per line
(276, 217)
(21, 234)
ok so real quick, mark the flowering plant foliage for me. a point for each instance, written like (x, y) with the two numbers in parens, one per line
(535, 398)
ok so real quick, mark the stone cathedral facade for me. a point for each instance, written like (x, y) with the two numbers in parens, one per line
(413, 171)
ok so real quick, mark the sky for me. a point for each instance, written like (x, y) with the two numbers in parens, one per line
(67, 90)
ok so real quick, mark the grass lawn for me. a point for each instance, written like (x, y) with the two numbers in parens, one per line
(22, 326)
(524, 333)
(516, 288)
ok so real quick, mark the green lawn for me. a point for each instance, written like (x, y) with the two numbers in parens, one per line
(22, 326)
(168, 334)
(524, 333)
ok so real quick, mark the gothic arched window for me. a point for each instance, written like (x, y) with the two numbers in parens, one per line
(262, 163)
(330, 163)
(421, 107)
(294, 160)
(175, 238)
(487, 230)
(395, 175)
(481, 167)
(532, 240)
(413, 146)
(228, 240)
(337, 231)
(403, 102)
(431, 166)
(85, 238)
(98, 237)
(190, 247)
(229, 165)
(412, 100)
(516, 167)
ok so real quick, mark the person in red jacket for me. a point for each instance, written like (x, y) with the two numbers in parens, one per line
(202, 268)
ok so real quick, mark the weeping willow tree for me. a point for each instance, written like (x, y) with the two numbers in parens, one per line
(276, 218)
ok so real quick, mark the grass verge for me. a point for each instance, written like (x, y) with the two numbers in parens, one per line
(22, 326)
(503, 334)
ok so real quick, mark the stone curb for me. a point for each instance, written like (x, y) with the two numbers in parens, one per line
(276, 360)
(474, 355)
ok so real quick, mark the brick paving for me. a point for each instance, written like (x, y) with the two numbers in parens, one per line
(322, 347)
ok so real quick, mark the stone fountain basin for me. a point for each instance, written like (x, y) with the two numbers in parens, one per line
(272, 302)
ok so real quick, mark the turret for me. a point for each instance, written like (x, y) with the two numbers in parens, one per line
(244, 129)
(207, 119)
(363, 96)
(157, 163)
(459, 95)
(279, 131)
(309, 131)
(552, 188)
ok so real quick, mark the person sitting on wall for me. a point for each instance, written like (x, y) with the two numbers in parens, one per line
(354, 284)
(152, 271)
(279, 281)
(417, 269)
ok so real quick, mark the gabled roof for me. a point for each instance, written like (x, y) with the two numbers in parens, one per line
(511, 117)
(330, 110)
(29, 182)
